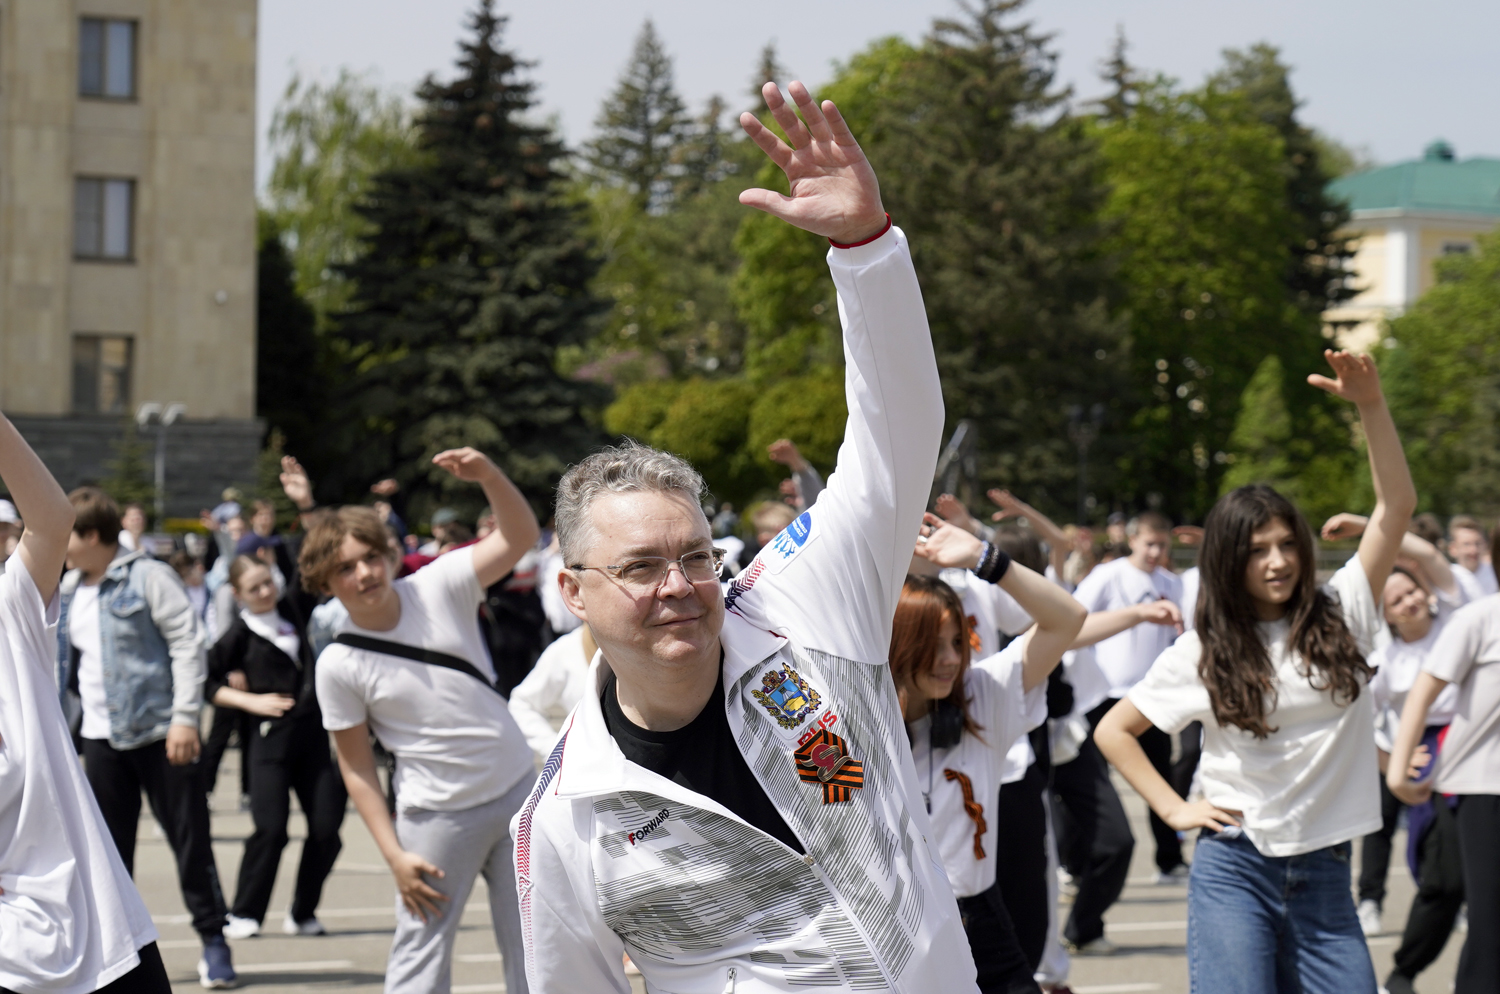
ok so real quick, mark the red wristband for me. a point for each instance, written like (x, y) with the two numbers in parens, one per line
(867, 240)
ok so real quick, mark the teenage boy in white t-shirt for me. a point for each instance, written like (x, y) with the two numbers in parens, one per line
(1467, 544)
(463, 767)
(71, 920)
(1140, 578)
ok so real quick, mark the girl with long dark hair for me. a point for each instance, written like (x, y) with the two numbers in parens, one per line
(1275, 669)
(963, 718)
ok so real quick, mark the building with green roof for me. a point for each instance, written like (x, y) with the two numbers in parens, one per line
(1406, 216)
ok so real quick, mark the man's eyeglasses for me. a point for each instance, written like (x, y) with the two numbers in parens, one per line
(645, 574)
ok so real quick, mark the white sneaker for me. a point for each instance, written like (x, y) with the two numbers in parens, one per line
(1098, 947)
(310, 927)
(1176, 877)
(1369, 917)
(241, 928)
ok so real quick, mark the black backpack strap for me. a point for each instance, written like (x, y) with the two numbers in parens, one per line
(429, 656)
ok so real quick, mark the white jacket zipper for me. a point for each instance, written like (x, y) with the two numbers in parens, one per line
(729, 987)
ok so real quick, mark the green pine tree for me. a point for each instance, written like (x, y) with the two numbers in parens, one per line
(642, 127)
(475, 272)
(132, 476)
(1125, 81)
(292, 383)
(1000, 190)
(1262, 431)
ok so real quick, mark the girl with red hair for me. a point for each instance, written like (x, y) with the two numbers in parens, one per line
(962, 717)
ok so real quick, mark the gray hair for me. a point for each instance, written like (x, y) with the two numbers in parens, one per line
(629, 467)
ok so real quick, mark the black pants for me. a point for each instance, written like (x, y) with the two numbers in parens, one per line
(1375, 848)
(1157, 745)
(1478, 827)
(149, 976)
(292, 755)
(1095, 841)
(1440, 893)
(227, 722)
(992, 938)
(1021, 858)
(176, 796)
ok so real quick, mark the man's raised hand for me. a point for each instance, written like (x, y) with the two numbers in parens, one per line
(834, 190)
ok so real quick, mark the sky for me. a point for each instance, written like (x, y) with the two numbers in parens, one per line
(1382, 76)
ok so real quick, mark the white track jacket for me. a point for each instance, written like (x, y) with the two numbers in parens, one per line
(612, 858)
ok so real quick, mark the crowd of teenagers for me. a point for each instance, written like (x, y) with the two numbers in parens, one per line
(863, 744)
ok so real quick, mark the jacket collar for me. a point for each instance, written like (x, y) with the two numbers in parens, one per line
(116, 571)
(592, 761)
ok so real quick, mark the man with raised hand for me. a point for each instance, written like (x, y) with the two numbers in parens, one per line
(733, 803)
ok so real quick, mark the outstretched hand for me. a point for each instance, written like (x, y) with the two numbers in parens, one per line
(785, 451)
(834, 190)
(1344, 525)
(467, 464)
(1358, 381)
(955, 512)
(947, 545)
(295, 484)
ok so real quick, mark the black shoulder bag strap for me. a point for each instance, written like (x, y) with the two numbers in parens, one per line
(429, 656)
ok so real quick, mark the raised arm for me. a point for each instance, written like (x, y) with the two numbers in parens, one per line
(1358, 382)
(847, 580)
(516, 530)
(1435, 565)
(1058, 616)
(1100, 625)
(45, 510)
(1012, 506)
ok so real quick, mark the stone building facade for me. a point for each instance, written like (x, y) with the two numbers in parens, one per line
(127, 233)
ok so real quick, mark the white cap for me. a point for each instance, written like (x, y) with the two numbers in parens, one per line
(8, 515)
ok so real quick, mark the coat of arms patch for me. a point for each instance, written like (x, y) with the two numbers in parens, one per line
(787, 697)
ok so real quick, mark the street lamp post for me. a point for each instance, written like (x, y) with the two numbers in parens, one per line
(163, 417)
(1083, 434)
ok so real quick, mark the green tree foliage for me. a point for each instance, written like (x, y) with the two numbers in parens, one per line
(1270, 445)
(1201, 226)
(292, 384)
(327, 141)
(1000, 190)
(474, 272)
(1443, 382)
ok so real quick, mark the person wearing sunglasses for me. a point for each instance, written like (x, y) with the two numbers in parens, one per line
(733, 803)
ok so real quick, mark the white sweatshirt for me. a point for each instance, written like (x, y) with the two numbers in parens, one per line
(612, 858)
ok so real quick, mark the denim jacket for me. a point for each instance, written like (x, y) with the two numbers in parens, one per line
(151, 647)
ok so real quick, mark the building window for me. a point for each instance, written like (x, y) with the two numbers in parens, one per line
(106, 58)
(101, 374)
(1457, 248)
(105, 219)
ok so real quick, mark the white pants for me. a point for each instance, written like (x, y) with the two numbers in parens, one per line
(463, 844)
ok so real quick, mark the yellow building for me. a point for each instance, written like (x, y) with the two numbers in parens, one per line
(1406, 216)
(127, 232)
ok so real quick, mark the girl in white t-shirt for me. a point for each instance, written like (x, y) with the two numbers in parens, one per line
(962, 720)
(1467, 780)
(71, 921)
(1275, 669)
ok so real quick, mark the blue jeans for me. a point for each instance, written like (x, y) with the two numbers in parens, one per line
(1273, 924)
